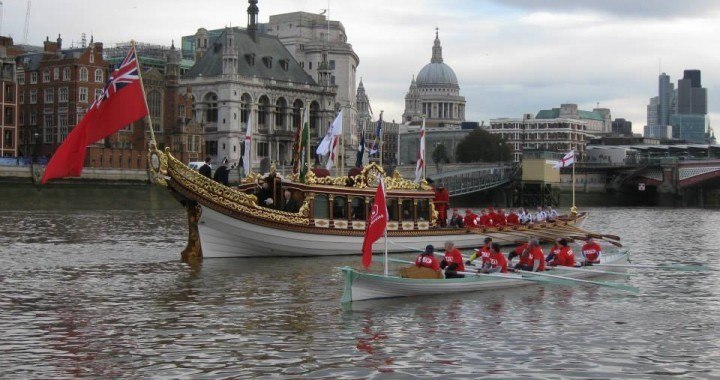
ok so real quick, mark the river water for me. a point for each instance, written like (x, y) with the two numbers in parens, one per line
(91, 285)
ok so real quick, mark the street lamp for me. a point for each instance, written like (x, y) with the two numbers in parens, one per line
(37, 147)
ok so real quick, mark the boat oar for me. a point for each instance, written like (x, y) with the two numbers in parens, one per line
(668, 266)
(594, 235)
(584, 269)
(608, 284)
(615, 243)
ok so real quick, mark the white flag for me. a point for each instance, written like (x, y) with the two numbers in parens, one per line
(248, 144)
(335, 130)
(421, 156)
(566, 161)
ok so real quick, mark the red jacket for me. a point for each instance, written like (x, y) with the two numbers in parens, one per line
(454, 256)
(501, 220)
(565, 257)
(513, 219)
(469, 220)
(486, 220)
(427, 261)
(535, 254)
(592, 252)
(497, 259)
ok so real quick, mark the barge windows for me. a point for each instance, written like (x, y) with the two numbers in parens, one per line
(339, 208)
(358, 208)
(320, 207)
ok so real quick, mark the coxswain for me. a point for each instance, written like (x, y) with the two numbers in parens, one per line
(427, 259)
(513, 218)
(456, 220)
(483, 253)
(453, 261)
(532, 259)
(470, 218)
(591, 251)
(566, 257)
(497, 263)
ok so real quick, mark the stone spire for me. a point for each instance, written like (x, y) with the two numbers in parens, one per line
(437, 49)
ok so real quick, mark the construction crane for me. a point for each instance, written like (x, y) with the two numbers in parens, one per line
(27, 22)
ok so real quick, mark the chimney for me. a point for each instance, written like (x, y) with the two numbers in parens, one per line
(252, 18)
(59, 42)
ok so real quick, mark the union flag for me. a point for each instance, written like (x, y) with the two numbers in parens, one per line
(122, 102)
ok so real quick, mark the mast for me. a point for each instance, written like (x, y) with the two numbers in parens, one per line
(153, 142)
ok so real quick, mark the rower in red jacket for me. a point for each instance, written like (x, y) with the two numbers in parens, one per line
(501, 218)
(513, 218)
(485, 219)
(427, 259)
(553, 254)
(566, 257)
(497, 263)
(483, 253)
(591, 251)
(453, 261)
(470, 219)
(533, 258)
(492, 214)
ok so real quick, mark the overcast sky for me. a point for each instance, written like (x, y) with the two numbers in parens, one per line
(511, 57)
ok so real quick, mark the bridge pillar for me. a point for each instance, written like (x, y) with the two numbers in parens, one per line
(669, 184)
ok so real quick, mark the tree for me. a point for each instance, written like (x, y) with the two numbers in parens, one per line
(439, 155)
(481, 145)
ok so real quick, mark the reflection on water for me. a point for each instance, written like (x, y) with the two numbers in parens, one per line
(102, 293)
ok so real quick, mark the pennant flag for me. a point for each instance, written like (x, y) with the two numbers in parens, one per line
(566, 161)
(361, 150)
(378, 136)
(122, 102)
(335, 130)
(420, 167)
(377, 225)
(247, 165)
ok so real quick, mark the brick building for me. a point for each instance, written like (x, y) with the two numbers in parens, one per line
(8, 105)
(56, 89)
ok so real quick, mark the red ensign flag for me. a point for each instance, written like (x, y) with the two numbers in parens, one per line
(121, 103)
(376, 226)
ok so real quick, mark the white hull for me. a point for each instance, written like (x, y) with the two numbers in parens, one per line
(223, 236)
(362, 286)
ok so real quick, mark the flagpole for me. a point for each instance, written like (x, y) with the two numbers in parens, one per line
(386, 253)
(573, 209)
(307, 143)
(142, 86)
(424, 152)
(381, 138)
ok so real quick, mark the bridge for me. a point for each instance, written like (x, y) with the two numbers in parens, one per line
(462, 179)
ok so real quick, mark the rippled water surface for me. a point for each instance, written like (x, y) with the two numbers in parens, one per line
(100, 292)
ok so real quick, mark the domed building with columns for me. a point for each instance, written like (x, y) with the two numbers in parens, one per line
(435, 93)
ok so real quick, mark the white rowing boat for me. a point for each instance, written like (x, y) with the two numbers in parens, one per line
(361, 286)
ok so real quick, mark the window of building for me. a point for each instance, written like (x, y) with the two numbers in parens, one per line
(92, 58)
(83, 74)
(212, 108)
(309, 65)
(48, 129)
(83, 94)
(46, 76)
(98, 75)
(155, 105)
(332, 80)
(49, 95)
(181, 111)
(63, 126)
(80, 114)
(21, 78)
(98, 93)
(21, 97)
(63, 95)
(9, 116)
(331, 64)
(33, 77)
(21, 118)
(66, 73)
(211, 148)
(262, 149)
(33, 96)
(33, 119)
(56, 73)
